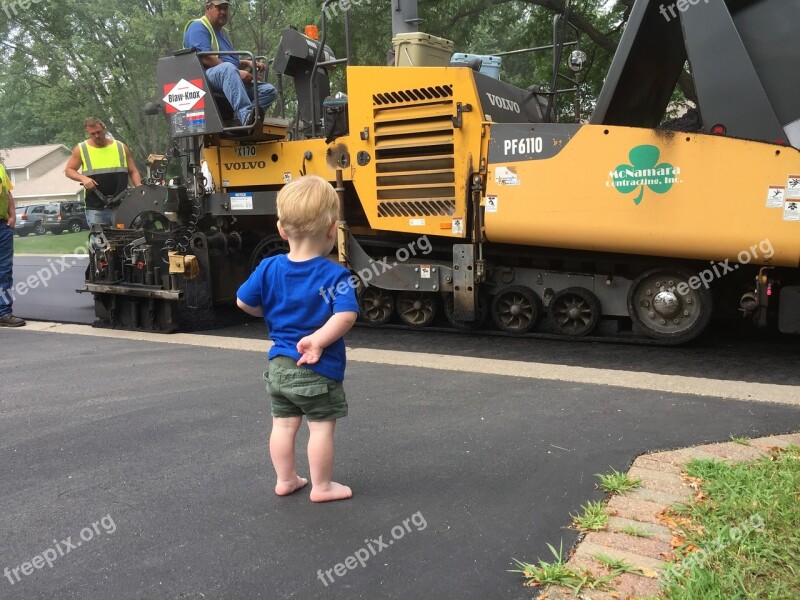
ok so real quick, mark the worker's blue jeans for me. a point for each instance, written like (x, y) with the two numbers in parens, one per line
(226, 78)
(6, 265)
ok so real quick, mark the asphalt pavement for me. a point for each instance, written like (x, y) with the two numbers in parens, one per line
(154, 457)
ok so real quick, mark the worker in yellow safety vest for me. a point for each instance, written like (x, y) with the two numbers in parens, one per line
(106, 165)
(8, 215)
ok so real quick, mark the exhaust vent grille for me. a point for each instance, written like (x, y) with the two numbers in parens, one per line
(414, 152)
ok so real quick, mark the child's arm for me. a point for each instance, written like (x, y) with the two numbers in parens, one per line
(311, 346)
(256, 311)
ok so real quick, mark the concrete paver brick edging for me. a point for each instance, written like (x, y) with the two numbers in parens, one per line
(662, 486)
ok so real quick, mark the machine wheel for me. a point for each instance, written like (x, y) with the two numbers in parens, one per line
(574, 311)
(376, 305)
(482, 313)
(39, 229)
(416, 308)
(663, 312)
(272, 245)
(516, 309)
(75, 227)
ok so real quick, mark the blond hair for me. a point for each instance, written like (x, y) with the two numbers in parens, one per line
(307, 206)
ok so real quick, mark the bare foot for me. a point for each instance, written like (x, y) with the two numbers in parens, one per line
(284, 488)
(335, 491)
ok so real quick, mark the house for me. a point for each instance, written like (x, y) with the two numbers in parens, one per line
(37, 173)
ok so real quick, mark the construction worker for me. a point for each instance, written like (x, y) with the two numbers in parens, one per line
(7, 217)
(227, 73)
(106, 166)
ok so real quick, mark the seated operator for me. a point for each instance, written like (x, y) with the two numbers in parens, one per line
(225, 73)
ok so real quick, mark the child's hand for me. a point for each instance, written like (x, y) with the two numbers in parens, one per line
(310, 351)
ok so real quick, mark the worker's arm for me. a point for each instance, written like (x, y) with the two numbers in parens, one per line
(311, 346)
(133, 172)
(197, 37)
(73, 164)
(12, 211)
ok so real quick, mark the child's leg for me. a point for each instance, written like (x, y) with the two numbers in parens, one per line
(281, 450)
(320, 461)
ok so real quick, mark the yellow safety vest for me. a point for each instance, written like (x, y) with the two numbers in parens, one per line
(207, 24)
(5, 187)
(98, 161)
(108, 159)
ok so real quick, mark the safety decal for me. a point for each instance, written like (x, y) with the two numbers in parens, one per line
(184, 95)
(506, 176)
(793, 187)
(775, 195)
(424, 271)
(644, 172)
(287, 177)
(458, 226)
(416, 222)
(491, 204)
(242, 201)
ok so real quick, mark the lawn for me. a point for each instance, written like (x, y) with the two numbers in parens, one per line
(65, 243)
(743, 535)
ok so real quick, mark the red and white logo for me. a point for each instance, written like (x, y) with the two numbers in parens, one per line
(184, 95)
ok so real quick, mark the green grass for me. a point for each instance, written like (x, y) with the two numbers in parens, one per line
(740, 440)
(636, 531)
(50, 243)
(594, 517)
(558, 573)
(618, 483)
(617, 565)
(746, 529)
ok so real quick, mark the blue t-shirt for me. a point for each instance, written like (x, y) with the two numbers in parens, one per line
(298, 298)
(198, 37)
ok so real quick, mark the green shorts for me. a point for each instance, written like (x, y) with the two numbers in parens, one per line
(297, 391)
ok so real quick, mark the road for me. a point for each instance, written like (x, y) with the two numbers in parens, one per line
(464, 452)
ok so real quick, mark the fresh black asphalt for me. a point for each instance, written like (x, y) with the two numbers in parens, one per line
(170, 443)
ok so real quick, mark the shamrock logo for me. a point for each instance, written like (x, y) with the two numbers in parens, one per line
(644, 172)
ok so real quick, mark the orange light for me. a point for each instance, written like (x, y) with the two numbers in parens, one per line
(120, 226)
(312, 32)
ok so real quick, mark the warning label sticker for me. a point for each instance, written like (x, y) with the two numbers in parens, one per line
(793, 187)
(775, 195)
(184, 95)
(506, 176)
(458, 227)
(491, 204)
(791, 210)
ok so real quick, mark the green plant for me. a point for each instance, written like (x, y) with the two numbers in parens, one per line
(636, 531)
(618, 483)
(558, 573)
(740, 440)
(618, 566)
(594, 517)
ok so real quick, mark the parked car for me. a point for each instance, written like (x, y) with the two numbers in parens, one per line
(59, 217)
(29, 218)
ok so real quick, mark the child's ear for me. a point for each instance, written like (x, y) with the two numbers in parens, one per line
(332, 228)
(281, 232)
